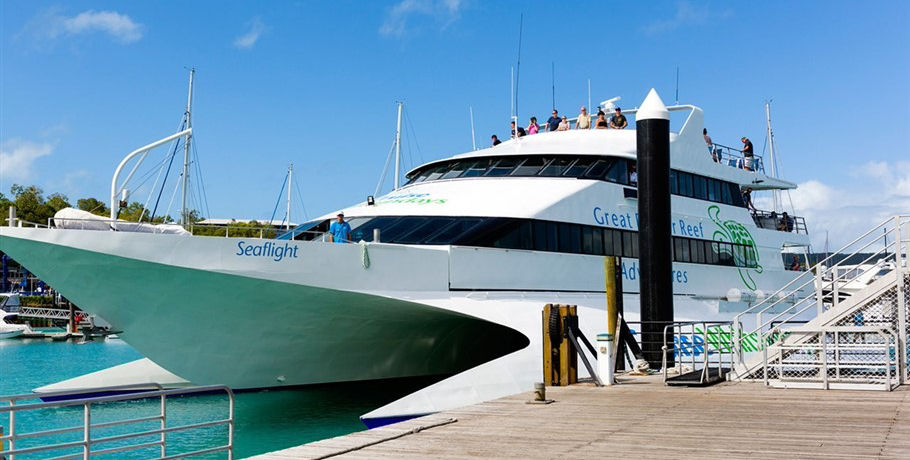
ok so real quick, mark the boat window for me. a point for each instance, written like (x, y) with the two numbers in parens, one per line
(681, 250)
(579, 167)
(457, 169)
(674, 189)
(478, 168)
(391, 232)
(685, 183)
(530, 167)
(597, 242)
(424, 230)
(569, 238)
(727, 197)
(557, 167)
(618, 172)
(450, 234)
(503, 167)
(713, 188)
(735, 195)
(701, 187)
(630, 245)
(438, 171)
(545, 236)
(598, 169)
(517, 237)
(364, 230)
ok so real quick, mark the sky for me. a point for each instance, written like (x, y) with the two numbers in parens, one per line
(82, 83)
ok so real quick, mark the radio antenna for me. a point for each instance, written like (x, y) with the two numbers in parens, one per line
(553, 81)
(677, 85)
(521, 22)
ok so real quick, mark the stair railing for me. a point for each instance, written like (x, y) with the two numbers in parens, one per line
(893, 241)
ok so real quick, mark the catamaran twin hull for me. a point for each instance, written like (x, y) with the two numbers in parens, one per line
(229, 310)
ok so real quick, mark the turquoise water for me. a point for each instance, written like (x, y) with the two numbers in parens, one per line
(264, 420)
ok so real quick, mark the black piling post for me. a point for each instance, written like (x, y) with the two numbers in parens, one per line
(652, 124)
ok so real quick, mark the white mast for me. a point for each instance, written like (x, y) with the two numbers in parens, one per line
(473, 141)
(186, 148)
(589, 95)
(290, 182)
(398, 149)
(775, 194)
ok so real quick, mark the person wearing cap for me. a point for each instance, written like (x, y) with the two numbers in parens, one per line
(748, 154)
(340, 231)
(618, 121)
(584, 120)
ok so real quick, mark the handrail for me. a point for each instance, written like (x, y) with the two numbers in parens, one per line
(818, 276)
(87, 441)
(720, 347)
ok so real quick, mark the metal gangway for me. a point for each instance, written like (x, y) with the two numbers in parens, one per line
(41, 312)
(13, 442)
(825, 329)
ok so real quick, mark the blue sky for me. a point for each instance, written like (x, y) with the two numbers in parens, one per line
(84, 82)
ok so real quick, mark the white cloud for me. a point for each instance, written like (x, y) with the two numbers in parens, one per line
(249, 39)
(52, 24)
(687, 14)
(400, 16)
(17, 157)
(877, 191)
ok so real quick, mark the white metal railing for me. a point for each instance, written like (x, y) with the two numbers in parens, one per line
(702, 345)
(864, 356)
(87, 442)
(40, 312)
(889, 239)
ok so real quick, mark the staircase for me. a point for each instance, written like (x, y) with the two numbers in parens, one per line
(847, 335)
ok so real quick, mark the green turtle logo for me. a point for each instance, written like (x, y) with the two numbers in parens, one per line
(735, 232)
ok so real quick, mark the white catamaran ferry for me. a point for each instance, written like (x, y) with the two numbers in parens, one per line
(471, 248)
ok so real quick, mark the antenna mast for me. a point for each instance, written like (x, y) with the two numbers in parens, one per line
(188, 119)
(473, 141)
(553, 81)
(518, 65)
(775, 194)
(290, 182)
(398, 148)
(677, 85)
(589, 95)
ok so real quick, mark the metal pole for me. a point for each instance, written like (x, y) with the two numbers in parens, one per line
(12, 216)
(775, 194)
(398, 149)
(163, 426)
(87, 432)
(290, 182)
(186, 149)
(473, 141)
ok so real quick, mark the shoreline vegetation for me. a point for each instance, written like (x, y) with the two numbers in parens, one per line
(33, 206)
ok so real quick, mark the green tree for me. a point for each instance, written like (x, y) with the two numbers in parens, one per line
(94, 206)
(30, 204)
(58, 201)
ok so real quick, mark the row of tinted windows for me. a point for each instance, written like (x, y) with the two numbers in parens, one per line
(609, 169)
(539, 235)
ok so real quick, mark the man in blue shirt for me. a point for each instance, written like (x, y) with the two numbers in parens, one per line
(553, 121)
(340, 231)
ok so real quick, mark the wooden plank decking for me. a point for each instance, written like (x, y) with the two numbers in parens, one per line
(645, 419)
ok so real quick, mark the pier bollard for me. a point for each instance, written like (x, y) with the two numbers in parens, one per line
(605, 364)
(540, 391)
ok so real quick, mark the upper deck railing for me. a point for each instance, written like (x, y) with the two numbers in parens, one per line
(785, 223)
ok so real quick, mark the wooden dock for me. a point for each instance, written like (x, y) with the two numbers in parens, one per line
(642, 418)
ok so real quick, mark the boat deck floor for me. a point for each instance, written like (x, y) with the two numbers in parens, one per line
(643, 418)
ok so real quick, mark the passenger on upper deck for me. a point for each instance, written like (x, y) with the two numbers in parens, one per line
(748, 154)
(710, 143)
(517, 132)
(786, 223)
(553, 121)
(533, 127)
(618, 121)
(564, 124)
(584, 120)
(496, 140)
(601, 120)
